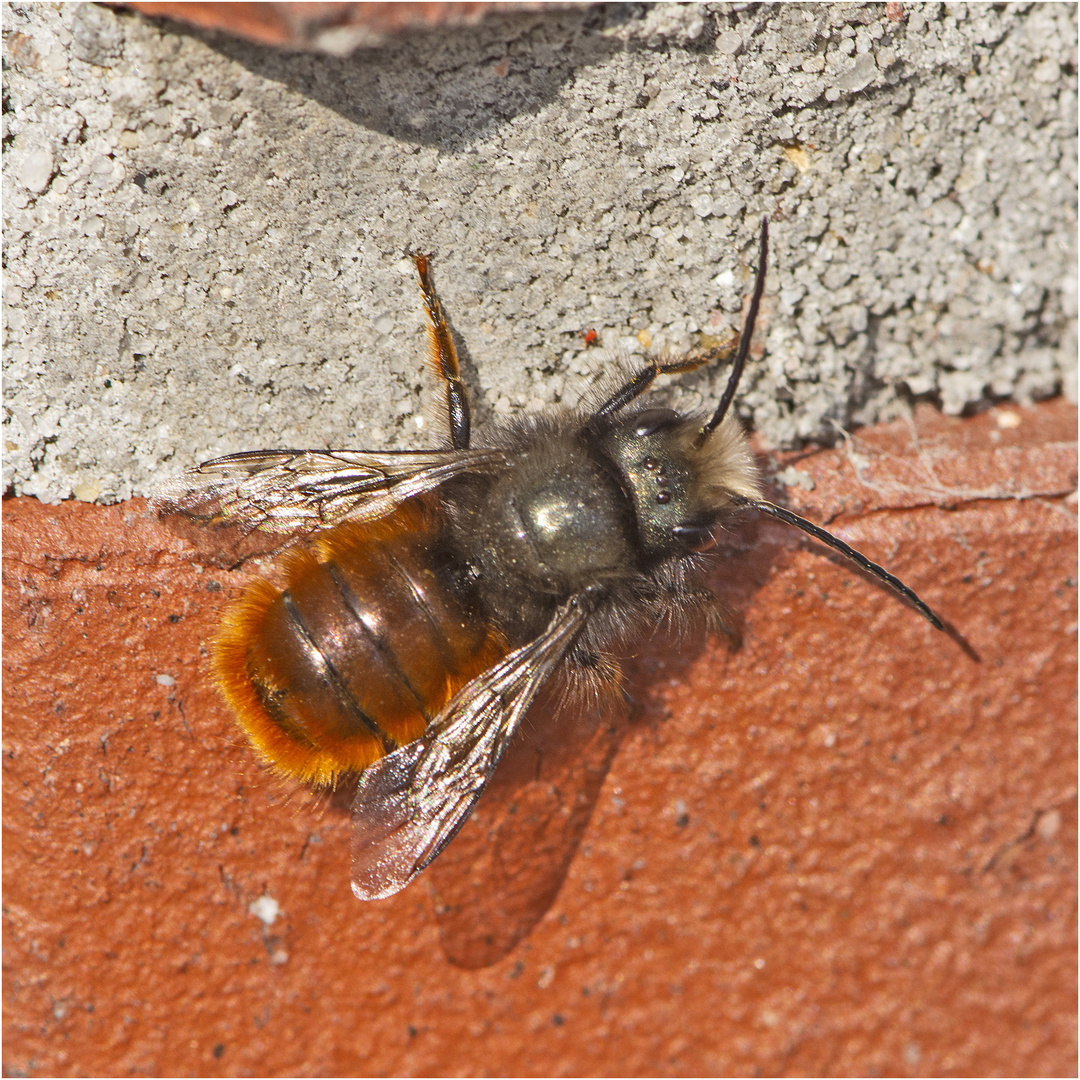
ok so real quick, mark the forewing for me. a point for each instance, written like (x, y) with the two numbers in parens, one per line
(292, 493)
(410, 803)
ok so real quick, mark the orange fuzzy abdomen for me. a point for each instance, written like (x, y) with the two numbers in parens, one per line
(369, 639)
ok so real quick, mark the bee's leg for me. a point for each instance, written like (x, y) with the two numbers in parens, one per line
(643, 379)
(591, 679)
(646, 376)
(444, 358)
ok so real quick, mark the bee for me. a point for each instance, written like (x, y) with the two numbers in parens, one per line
(437, 592)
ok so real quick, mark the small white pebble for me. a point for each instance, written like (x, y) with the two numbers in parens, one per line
(1048, 824)
(35, 169)
(266, 909)
(729, 42)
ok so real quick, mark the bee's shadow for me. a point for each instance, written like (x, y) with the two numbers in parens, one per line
(504, 869)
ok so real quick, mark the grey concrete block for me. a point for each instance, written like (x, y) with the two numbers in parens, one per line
(205, 239)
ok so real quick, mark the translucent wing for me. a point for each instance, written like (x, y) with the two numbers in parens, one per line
(292, 493)
(410, 803)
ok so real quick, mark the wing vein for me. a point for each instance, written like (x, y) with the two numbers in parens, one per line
(410, 803)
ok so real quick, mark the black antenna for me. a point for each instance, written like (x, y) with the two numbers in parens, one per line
(818, 533)
(744, 339)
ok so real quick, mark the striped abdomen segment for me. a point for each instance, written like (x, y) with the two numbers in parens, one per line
(367, 641)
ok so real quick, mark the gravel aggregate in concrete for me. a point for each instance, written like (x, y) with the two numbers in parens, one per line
(205, 239)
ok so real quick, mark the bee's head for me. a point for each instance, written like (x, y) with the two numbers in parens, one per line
(678, 483)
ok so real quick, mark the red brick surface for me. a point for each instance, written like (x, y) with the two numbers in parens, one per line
(841, 847)
(301, 25)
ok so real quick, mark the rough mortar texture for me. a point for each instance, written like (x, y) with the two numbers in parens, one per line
(205, 239)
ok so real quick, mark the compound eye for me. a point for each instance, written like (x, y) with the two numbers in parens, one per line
(651, 420)
(695, 537)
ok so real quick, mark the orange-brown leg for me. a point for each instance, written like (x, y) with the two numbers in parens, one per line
(444, 358)
(643, 379)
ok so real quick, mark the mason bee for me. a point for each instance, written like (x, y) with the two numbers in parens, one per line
(440, 590)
